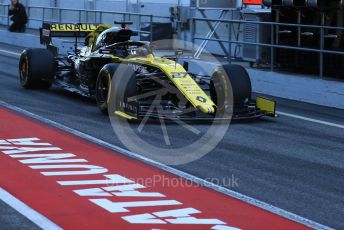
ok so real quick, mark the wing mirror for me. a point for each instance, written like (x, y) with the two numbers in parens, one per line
(152, 46)
(186, 65)
(179, 52)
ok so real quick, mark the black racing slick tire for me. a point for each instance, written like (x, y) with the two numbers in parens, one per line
(238, 81)
(36, 69)
(115, 83)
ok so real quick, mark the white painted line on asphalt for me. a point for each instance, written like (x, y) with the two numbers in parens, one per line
(10, 52)
(311, 120)
(28, 212)
(200, 181)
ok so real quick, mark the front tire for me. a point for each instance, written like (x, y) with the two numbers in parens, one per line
(36, 69)
(115, 84)
(230, 84)
(104, 86)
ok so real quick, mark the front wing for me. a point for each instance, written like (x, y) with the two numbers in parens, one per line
(254, 110)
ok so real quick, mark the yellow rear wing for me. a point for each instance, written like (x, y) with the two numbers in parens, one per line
(50, 30)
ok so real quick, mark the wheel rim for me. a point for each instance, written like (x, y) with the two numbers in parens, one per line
(103, 89)
(24, 71)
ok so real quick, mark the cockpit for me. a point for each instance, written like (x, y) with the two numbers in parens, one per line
(117, 42)
(112, 36)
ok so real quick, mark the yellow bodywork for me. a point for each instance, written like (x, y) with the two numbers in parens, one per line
(181, 79)
(92, 37)
(125, 115)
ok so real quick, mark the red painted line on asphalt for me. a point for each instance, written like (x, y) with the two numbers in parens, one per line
(44, 185)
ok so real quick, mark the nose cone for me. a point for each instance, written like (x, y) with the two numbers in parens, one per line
(207, 109)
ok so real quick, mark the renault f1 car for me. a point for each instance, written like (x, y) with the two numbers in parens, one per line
(128, 80)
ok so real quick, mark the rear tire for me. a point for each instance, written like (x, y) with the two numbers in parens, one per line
(36, 69)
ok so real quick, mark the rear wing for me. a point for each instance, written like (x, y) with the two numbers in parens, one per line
(49, 31)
